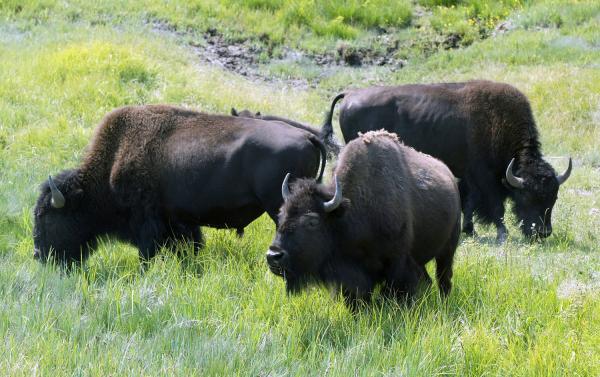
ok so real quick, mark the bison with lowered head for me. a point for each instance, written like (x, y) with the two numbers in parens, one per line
(391, 210)
(484, 131)
(154, 174)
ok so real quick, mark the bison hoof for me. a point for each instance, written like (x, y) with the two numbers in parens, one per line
(501, 238)
(469, 230)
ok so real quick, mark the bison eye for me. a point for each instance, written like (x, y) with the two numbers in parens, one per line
(312, 220)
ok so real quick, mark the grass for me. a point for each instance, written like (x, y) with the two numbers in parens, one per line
(521, 309)
(308, 24)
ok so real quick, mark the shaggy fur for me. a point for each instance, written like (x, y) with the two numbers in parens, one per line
(400, 209)
(154, 174)
(474, 127)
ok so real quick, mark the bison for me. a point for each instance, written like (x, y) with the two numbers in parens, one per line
(390, 211)
(332, 146)
(484, 131)
(154, 174)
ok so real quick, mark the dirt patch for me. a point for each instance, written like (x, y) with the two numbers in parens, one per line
(357, 57)
(246, 56)
(241, 57)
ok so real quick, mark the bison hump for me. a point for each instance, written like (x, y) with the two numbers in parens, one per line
(368, 137)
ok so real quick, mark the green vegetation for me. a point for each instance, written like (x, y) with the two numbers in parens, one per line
(523, 309)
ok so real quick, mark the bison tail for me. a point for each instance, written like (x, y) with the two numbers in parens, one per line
(327, 129)
(317, 142)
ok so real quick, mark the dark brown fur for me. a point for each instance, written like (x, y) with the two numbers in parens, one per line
(154, 174)
(332, 146)
(476, 128)
(401, 209)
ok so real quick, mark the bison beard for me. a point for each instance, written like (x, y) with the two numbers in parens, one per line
(391, 211)
(477, 128)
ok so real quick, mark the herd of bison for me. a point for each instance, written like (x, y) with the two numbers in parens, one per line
(416, 157)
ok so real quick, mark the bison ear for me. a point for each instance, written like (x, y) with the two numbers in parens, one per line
(234, 112)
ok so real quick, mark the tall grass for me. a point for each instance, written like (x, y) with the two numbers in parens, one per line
(523, 309)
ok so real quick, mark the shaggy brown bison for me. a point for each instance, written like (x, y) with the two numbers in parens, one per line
(484, 131)
(391, 210)
(154, 174)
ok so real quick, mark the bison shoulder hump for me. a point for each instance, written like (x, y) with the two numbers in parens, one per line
(371, 136)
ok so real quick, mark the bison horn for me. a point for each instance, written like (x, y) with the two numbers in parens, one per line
(337, 197)
(513, 180)
(285, 188)
(564, 176)
(58, 200)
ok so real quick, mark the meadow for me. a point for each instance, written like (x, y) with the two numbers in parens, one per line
(520, 309)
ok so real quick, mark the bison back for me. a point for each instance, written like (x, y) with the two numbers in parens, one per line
(398, 192)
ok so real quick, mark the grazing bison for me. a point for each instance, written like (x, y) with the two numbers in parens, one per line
(332, 146)
(154, 174)
(484, 131)
(392, 209)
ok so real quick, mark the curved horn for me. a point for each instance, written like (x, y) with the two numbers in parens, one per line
(337, 197)
(58, 199)
(564, 176)
(285, 188)
(513, 180)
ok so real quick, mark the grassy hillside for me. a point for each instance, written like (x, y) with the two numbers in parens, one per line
(518, 309)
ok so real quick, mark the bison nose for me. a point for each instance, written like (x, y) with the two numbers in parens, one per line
(274, 257)
(36, 254)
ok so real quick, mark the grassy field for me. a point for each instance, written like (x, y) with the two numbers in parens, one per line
(521, 309)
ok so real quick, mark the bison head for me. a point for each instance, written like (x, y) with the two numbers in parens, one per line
(305, 241)
(534, 189)
(63, 223)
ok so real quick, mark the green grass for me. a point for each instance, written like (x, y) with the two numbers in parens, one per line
(517, 310)
(309, 24)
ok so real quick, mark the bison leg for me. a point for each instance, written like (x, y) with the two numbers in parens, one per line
(443, 272)
(501, 234)
(354, 284)
(355, 299)
(147, 244)
(444, 260)
(198, 239)
(186, 232)
(501, 231)
(423, 276)
(467, 200)
(488, 201)
(468, 227)
(149, 233)
(403, 279)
